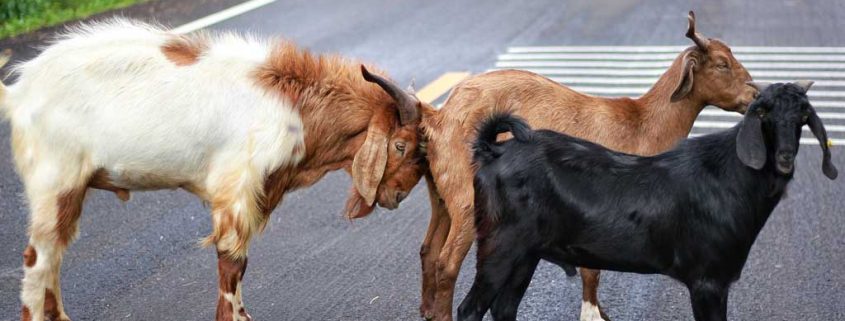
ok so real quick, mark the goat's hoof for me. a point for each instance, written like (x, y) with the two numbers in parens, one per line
(426, 311)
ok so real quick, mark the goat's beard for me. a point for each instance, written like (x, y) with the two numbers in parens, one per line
(356, 206)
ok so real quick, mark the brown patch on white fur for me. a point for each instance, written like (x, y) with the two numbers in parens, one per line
(25, 314)
(101, 180)
(51, 306)
(185, 50)
(231, 273)
(324, 89)
(69, 210)
(29, 256)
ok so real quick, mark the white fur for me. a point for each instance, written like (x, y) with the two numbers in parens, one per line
(590, 312)
(106, 97)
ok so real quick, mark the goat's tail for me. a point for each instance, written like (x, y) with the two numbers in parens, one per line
(486, 149)
(5, 55)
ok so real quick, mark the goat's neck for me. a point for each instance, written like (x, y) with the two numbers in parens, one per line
(334, 131)
(666, 122)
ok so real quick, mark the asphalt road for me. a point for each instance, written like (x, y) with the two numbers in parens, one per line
(140, 261)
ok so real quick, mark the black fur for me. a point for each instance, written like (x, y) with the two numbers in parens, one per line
(691, 213)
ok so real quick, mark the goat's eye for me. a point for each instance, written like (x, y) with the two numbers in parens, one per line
(722, 66)
(805, 118)
(400, 146)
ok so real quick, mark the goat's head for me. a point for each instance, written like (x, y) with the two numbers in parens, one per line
(712, 75)
(391, 161)
(771, 129)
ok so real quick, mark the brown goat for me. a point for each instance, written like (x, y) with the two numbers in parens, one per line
(704, 74)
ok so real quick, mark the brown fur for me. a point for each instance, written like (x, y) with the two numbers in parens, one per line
(337, 107)
(224, 310)
(101, 180)
(29, 256)
(25, 314)
(646, 126)
(70, 208)
(185, 50)
(51, 307)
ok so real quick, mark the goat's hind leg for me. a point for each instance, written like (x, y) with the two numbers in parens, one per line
(507, 302)
(55, 200)
(494, 271)
(709, 300)
(590, 308)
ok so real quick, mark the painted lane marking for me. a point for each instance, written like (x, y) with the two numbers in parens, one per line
(440, 86)
(219, 16)
(661, 56)
(672, 49)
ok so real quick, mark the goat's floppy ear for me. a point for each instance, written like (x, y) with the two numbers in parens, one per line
(685, 83)
(818, 130)
(750, 147)
(371, 159)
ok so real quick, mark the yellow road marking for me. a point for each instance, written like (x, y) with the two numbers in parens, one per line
(440, 86)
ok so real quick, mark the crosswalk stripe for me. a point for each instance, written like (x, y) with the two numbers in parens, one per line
(673, 49)
(661, 56)
(663, 64)
(722, 113)
(659, 71)
(632, 70)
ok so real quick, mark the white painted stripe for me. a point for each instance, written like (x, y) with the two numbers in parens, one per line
(657, 72)
(723, 124)
(659, 56)
(675, 49)
(220, 16)
(571, 80)
(827, 104)
(714, 112)
(802, 141)
(641, 90)
(751, 66)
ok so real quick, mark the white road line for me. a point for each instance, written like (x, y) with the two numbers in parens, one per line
(657, 72)
(802, 141)
(220, 16)
(675, 49)
(571, 80)
(660, 56)
(641, 90)
(722, 124)
(721, 113)
(663, 64)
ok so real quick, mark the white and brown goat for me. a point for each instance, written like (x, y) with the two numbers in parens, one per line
(704, 74)
(124, 106)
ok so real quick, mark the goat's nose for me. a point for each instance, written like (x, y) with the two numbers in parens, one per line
(786, 156)
(400, 196)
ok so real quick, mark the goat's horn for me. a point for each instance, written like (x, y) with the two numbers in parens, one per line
(696, 37)
(804, 84)
(407, 104)
(760, 86)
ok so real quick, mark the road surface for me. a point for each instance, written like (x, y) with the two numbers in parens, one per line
(140, 260)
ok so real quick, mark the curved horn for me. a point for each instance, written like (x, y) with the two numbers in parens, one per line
(760, 86)
(696, 37)
(804, 84)
(407, 104)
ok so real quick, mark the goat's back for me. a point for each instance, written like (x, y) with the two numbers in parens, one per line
(106, 93)
(545, 104)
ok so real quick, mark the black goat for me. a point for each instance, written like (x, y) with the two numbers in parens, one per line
(691, 213)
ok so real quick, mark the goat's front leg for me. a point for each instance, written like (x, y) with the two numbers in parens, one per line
(460, 239)
(590, 307)
(236, 216)
(435, 237)
(709, 300)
